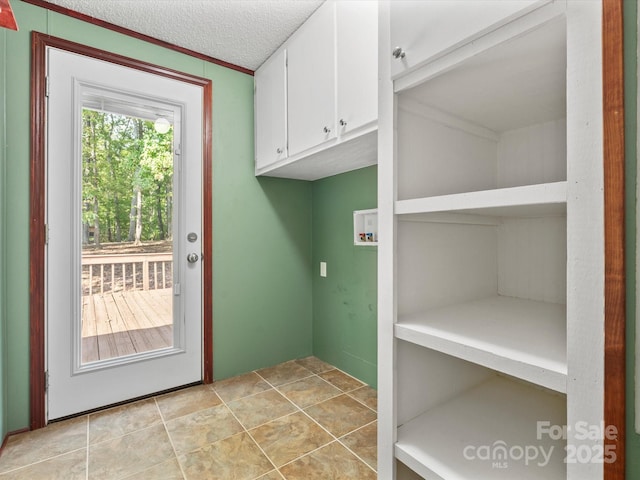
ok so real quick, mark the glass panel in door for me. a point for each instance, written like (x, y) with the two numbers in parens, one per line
(126, 228)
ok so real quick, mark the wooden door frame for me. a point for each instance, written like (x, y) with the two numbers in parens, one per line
(37, 204)
(614, 232)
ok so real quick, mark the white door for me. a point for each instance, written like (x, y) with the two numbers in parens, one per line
(424, 30)
(311, 82)
(271, 111)
(123, 290)
(357, 64)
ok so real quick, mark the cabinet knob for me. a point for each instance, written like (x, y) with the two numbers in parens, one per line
(398, 52)
(279, 150)
(343, 123)
(326, 130)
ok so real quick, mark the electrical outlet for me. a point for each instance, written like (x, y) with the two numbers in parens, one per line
(323, 269)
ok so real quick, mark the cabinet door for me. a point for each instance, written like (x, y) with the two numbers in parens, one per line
(311, 77)
(271, 110)
(425, 29)
(357, 60)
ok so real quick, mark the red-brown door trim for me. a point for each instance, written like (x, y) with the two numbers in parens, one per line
(37, 195)
(614, 232)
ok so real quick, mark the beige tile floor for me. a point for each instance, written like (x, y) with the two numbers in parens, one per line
(302, 419)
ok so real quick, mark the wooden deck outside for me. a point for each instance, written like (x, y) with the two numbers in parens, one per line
(124, 323)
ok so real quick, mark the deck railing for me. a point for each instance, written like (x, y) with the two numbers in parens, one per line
(112, 273)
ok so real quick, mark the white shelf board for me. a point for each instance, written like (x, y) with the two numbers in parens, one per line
(525, 201)
(522, 338)
(498, 410)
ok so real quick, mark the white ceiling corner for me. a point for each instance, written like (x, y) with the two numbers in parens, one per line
(241, 32)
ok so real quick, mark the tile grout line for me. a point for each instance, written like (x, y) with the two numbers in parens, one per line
(270, 471)
(346, 392)
(128, 433)
(375, 410)
(246, 396)
(310, 453)
(335, 438)
(277, 389)
(340, 392)
(30, 464)
(353, 452)
(250, 436)
(161, 422)
(271, 387)
(295, 407)
(348, 375)
(349, 392)
(246, 430)
(287, 383)
(223, 403)
(41, 461)
(307, 415)
(173, 447)
(322, 401)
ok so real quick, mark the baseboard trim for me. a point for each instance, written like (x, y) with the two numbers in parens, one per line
(9, 434)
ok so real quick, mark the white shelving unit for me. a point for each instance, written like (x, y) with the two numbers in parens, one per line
(495, 409)
(365, 227)
(491, 268)
(522, 338)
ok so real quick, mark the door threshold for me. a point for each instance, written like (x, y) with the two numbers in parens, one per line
(125, 402)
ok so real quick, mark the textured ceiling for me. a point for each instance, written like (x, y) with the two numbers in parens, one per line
(241, 32)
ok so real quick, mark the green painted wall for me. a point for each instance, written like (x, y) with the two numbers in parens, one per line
(345, 302)
(3, 203)
(631, 81)
(262, 227)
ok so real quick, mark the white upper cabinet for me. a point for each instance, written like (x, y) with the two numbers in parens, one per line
(323, 98)
(271, 110)
(357, 60)
(421, 31)
(311, 76)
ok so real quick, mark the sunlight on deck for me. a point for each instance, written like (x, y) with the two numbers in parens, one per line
(124, 323)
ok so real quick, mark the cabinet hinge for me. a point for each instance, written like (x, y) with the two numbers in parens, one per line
(178, 150)
(46, 234)
(176, 289)
(46, 86)
(46, 381)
